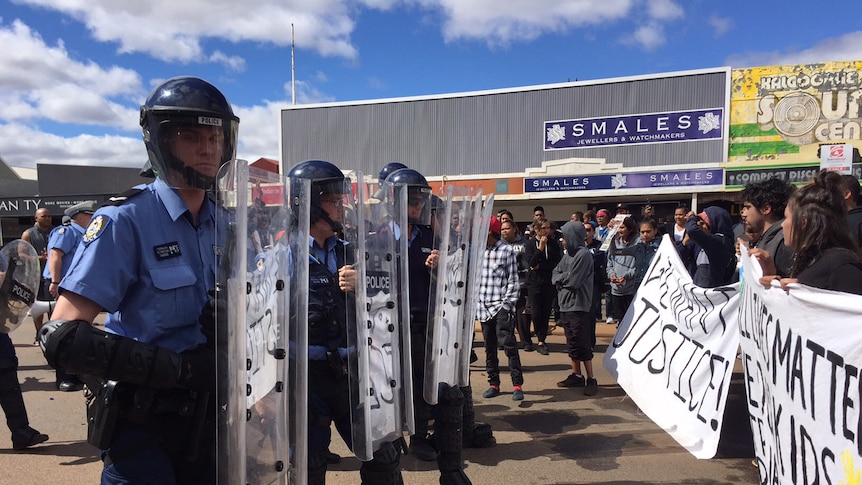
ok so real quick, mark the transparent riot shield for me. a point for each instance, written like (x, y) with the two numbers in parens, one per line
(478, 241)
(299, 201)
(252, 274)
(380, 366)
(447, 298)
(19, 283)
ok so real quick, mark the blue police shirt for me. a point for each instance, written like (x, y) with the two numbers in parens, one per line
(66, 239)
(146, 264)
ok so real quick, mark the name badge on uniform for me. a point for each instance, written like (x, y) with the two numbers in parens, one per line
(166, 251)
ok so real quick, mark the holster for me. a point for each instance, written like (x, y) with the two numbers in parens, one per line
(337, 365)
(103, 411)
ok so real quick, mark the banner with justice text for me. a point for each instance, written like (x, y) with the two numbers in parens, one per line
(674, 351)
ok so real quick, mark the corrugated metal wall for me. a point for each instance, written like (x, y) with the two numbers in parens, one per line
(478, 133)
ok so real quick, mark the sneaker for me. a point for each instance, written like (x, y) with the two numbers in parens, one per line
(592, 388)
(573, 380)
(492, 391)
(517, 394)
(528, 347)
(421, 448)
(610, 321)
(542, 349)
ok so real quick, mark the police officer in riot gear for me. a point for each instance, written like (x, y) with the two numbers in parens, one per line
(330, 311)
(152, 372)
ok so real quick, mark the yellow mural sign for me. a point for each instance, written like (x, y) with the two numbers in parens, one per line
(780, 115)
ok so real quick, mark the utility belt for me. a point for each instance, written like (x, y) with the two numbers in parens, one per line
(110, 403)
(333, 360)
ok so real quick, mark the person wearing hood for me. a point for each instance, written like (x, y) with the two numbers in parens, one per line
(714, 250)
(573, 278)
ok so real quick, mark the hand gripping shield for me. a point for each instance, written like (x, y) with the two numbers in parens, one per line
(253, 273)
(447, 301)
(381, 391)
(478, 241)
(19, 283)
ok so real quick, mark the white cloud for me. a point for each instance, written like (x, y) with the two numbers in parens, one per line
(234, 63)
(843, 48)
(505, 21)
(24, 146)
(648, 37)
(720, 25)
(664, 9)
(177, 31)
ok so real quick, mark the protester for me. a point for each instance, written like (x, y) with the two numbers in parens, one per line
(498, 295)
(625, 258)
(763, 210)
(600, 276)
(850, 189)
(714, 253)
(543, 253)
(577, 216)
(573, 278)
(649, 233)
(815, 228)
(677, 231)
(510, 235)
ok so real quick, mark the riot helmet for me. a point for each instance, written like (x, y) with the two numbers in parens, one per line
(326, 179)
(388, 169)
(190, 131)
(418, 194)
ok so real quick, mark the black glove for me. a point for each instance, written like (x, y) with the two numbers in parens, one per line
(213, 318)
(198, 369)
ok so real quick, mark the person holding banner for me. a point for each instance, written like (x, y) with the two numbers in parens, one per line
(763, 210)
(714, 248)
(815, 228)
(573, 277)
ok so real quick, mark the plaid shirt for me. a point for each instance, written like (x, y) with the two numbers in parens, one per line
(498, 286)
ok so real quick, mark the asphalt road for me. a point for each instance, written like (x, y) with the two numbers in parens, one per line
(554, 436)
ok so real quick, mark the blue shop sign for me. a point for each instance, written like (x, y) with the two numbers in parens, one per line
(675, 126)
(639, 180)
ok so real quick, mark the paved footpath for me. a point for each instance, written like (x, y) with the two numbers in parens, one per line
(554, 436)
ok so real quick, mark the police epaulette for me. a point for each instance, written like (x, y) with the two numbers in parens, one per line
(121, 198)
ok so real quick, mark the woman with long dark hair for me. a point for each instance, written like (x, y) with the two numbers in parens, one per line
(626, 256)
(815, 228)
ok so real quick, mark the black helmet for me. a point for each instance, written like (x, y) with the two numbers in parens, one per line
(417, 190)
(388, 169)
(186, 102)
(325, 178)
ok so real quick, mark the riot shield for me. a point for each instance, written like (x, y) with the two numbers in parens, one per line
(19, 283)
(253, 268)
(298, 196)
(478, 241)
(380, 366)
(447, 297)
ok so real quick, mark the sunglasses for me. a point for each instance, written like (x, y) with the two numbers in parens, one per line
(415, 201)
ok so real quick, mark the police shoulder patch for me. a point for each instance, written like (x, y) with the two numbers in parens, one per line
(61, 231)
(97, 226)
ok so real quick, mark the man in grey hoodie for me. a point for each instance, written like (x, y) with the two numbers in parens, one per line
(573, 277)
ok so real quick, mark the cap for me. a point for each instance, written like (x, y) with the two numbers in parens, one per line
(705, 217)
(495, 226)
(594, 224)
(87, 207)
(602, 212)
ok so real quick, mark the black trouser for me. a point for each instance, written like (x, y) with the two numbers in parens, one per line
(541, 305)
(621, 305)
(523, 319)
(11, 399)
(500, 330)
(421, 409)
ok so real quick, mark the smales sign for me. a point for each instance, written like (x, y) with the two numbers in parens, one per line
(666, 127)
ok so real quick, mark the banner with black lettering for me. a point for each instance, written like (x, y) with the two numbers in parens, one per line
(802, 351)
(674, 352)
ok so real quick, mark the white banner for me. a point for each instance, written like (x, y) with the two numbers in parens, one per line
(802, 352)
(674, 352)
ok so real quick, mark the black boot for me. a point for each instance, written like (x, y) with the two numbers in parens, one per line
(12, 402)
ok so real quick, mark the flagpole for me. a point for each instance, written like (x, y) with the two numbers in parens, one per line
(292, 66)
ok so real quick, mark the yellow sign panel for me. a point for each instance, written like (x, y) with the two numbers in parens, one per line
(781, 114)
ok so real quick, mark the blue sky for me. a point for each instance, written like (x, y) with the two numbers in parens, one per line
(73, 73)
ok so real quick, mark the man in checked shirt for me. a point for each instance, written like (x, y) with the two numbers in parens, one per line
(498, 295)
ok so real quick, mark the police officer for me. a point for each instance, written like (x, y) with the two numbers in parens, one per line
(62, 244)
(331, 283)
(149, 260)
